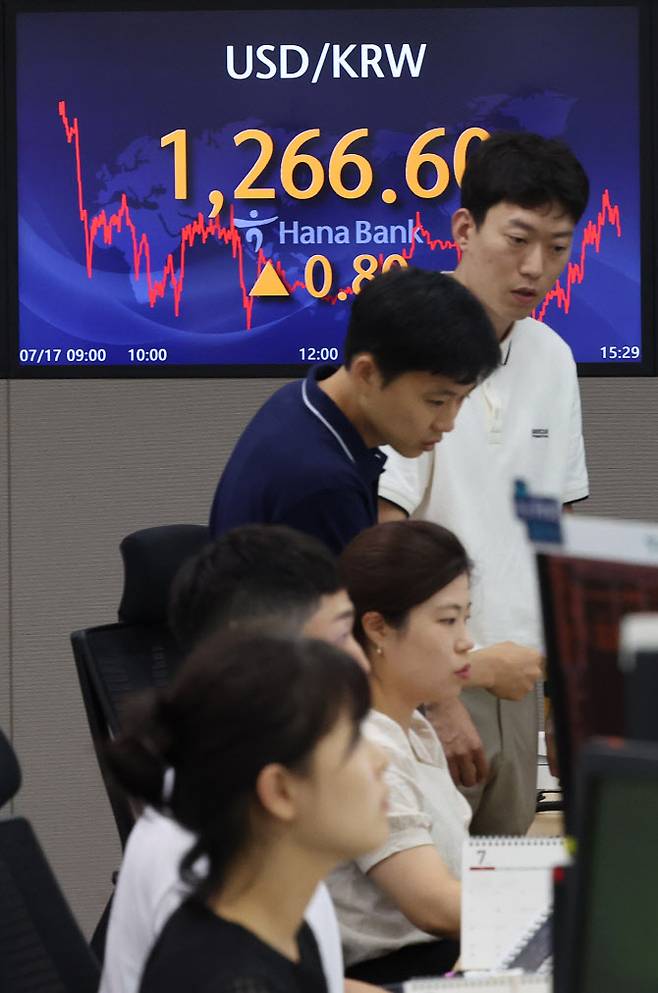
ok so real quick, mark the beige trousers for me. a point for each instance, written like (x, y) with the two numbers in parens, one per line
(505, 802)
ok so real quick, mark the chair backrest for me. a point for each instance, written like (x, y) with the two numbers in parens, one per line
(151, 559)
(10, 773)
(41, 947)
(115, 661)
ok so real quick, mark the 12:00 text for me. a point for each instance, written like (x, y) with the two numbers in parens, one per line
(315, 353)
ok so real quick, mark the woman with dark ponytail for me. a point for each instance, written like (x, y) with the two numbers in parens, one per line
(256, 750)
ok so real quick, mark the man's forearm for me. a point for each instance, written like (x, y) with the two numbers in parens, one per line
(483, 669)
(507, 669)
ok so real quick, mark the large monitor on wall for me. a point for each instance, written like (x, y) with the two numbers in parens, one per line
(203, 191)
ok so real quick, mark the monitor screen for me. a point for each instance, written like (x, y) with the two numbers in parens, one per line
(617, 875)
(206, 190)
(584, 601)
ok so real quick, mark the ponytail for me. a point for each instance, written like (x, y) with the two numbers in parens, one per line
(139, 758)
(238, 704)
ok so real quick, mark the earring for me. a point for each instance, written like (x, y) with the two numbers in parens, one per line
(379, 650)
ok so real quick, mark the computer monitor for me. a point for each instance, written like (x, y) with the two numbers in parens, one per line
(604, 571)
(614, 908)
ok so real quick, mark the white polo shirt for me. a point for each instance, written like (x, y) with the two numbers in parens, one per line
(149, 890)
(523, 422)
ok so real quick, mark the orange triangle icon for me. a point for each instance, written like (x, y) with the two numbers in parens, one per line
(269, 284)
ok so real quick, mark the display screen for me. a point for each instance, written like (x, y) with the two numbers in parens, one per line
(622, 889)
(584, 602)
(208, 189)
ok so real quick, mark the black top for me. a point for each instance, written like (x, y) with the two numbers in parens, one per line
(301, 462)
(199, 952)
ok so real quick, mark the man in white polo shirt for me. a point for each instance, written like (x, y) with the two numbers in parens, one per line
(522, 196)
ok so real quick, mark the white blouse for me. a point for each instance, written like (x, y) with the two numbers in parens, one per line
(425, 808)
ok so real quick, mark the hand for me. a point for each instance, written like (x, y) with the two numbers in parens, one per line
(461, 742)
(508, 670)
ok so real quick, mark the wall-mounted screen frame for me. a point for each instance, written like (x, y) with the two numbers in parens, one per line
(95, 166)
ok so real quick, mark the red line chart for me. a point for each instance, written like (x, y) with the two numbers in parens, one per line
(102, 228)
(608, 213)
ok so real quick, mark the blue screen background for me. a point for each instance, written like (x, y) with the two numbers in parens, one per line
(130, 78)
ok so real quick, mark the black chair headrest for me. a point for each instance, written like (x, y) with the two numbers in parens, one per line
(10, 771)
(151, 559)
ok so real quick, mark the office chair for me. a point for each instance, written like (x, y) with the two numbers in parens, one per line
(42, 950)
(114, 661)
(41, 947)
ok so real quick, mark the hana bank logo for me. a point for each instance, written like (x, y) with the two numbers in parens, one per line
(252, 228)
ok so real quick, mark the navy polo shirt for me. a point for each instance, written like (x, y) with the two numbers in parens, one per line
(300, 462)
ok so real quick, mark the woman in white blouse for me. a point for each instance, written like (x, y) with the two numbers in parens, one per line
(399, 906)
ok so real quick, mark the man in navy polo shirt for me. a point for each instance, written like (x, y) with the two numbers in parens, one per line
(417, 344)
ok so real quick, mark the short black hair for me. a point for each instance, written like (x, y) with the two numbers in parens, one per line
(412, 320)
(523, 169)
(264, 576)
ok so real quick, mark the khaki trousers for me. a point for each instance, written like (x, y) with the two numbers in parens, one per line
(504, 803)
